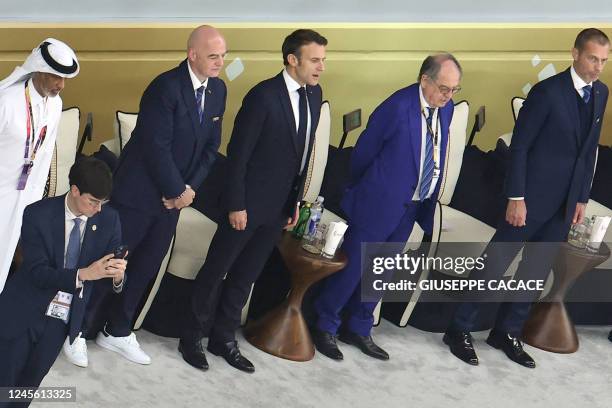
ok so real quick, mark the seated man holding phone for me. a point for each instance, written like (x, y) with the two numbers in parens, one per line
(68, 242)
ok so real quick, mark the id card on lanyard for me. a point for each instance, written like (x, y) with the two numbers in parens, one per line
(436, 142)
(28, 157)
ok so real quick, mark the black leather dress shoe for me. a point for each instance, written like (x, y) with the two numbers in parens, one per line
(512, 347)
(610, 336)
(231, 353)
(193, 353)
(364, 343)
(325, 343)
(460, 344)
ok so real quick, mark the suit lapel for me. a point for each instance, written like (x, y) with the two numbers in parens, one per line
(416, 127)
(283, 93)
(569, 94)
(88, 240)
(597, 106)
(59, 225)
(315, 112)
(189, 97)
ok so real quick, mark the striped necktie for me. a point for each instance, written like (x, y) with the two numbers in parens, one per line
(428, 161)
(199, 95)
(586, 96)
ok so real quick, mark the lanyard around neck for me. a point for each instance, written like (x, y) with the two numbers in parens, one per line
(30, 130)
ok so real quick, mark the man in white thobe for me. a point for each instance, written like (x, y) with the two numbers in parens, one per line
(30, 110)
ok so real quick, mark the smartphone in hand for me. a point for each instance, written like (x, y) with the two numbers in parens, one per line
(120, 252)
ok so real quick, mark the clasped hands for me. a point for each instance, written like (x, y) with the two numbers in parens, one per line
(182, 201)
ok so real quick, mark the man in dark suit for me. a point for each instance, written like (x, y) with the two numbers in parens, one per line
(552, 156)
(67, 242)
(270, 144)
(396, 168)
(171, 151)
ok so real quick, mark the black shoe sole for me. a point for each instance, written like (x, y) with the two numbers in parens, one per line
(198, 366)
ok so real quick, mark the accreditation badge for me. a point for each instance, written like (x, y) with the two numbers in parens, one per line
(59, 308)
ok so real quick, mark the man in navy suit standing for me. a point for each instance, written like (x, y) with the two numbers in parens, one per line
(552, 157)
(171, 151)
(267, 155)
(396, 169)
(68, 241)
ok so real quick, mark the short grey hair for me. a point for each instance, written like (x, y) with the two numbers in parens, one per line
(431, 65)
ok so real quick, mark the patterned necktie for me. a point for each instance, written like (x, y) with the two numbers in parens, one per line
(428, 161)
(199, 96)
(586, 96)
(74, 246)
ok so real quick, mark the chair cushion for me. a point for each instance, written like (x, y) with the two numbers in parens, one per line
(318, 157)
(456, 146)
(124, 125)
(189, 253)
(66, 147)
(479, 190)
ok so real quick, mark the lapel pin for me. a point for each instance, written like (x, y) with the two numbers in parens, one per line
(597, 120)
(94, 227)
(208, 91)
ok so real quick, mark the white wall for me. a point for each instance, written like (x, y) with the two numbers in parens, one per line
(307, 11)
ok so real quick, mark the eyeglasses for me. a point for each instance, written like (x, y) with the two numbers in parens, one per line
(95, 202)
(445, 90)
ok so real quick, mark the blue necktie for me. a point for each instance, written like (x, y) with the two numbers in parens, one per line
(586, 96)
(199, 95)
(74, 246)
(428, 161)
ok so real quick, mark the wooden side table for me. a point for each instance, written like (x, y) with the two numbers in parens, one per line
(282, 331)
(549, 327)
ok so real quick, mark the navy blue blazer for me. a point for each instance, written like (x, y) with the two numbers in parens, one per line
(550, 163)
(29, 291)
(263, 154)
(169, 148)
(386, 161)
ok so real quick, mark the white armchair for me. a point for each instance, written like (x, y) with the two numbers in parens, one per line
(64, 152)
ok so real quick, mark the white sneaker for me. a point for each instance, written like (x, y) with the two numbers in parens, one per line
(127, 346)
(76, 352)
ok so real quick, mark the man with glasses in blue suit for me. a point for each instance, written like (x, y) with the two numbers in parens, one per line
(396, 169)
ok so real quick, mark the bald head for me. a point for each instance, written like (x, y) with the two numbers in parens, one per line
(206, 51)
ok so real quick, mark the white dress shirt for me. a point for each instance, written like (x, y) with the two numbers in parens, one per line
(436, 128)
(196, 83)
(578, 82)
(294, 96)
(69, 224)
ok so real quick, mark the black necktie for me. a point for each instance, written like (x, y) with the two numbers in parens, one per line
(303, 111)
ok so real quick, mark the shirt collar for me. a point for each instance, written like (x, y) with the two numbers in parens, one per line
(69, 214)
(35, 97)
(424, 104)
(292, 84)
(578, 82)
(195, 82)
